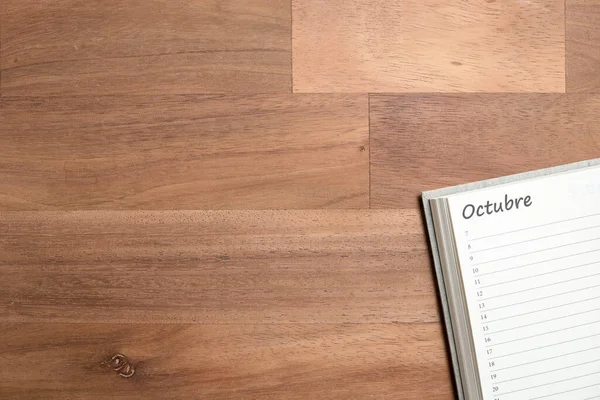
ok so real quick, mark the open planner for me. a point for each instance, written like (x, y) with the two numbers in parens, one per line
(518, 266)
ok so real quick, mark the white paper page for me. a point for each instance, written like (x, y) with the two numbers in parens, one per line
(532, 282)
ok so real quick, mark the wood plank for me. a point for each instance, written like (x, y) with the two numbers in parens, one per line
(66, 47)
(337, 266)
(299, 361)
(583, 46)
(430, 45)
(184, 152)
(422, 142)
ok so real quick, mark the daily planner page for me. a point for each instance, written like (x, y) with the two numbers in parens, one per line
(529, 256)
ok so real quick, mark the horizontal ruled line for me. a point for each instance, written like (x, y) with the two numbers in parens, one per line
(534, 239)
(543, 309)
(541, 322)
(533, 227)
(547, 372)
(552, 383)
(543, 273)
(539, 298)
(543, 359)
(543, 347)
(538, 287)
(537, 262)
(567, 391)
(544, 333)
(535, 252)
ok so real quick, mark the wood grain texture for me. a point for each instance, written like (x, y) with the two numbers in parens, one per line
(151, 47)
(432, 45)
(422, 142)
(299, 361)
(216, 267)
(184, 152)
(583, 45)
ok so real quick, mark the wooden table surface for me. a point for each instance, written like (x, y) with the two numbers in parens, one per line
(225, 192)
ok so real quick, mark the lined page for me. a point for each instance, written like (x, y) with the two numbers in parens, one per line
(530, 261)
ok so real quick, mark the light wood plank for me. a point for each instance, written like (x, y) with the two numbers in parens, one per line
(66, 47)
(431, 45)
(184, 152)
(324, 361)
(216, 267)
(583, 46)
(422, 142)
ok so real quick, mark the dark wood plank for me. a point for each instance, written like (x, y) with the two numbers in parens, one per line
(299, 361)
(422, 142)
(184, 152)
(428, 46)
(67, 47)
(216, 267)
(583, 46)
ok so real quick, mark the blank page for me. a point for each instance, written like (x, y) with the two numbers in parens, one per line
(529, 255)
